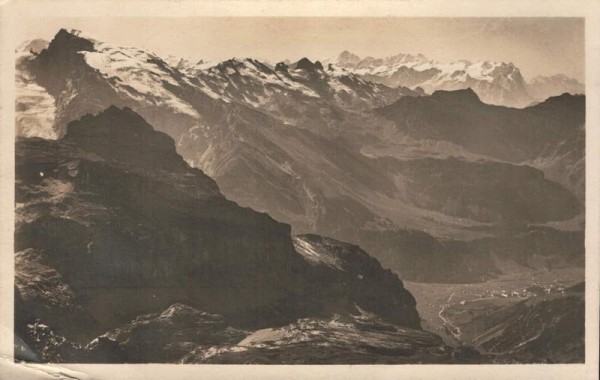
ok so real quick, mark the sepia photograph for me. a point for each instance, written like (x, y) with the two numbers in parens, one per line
(298, 190)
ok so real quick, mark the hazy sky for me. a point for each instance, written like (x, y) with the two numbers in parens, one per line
(538, 46)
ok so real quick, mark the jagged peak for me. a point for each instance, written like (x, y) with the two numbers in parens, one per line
(70, 40)
(123, 135)
(409, 55)
(347, 53)
(231, 62)
(348, 57)
(308, 65)
(109, 117)
(239, 63)
(281, 66)
(72, 34)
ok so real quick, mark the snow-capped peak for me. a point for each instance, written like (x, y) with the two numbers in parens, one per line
(494, 82)
(138, 74)
(347, 58)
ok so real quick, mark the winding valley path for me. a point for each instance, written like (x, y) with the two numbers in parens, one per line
(452, 329)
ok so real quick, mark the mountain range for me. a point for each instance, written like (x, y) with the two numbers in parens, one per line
(175, 178)
(329, 152)
(497, 83)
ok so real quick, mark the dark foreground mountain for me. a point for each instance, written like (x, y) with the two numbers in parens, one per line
(115, 233)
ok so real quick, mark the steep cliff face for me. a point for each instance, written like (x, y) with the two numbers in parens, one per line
(115, 219)
(349, 279)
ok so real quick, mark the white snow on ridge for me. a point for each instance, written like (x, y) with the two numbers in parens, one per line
(498, 83)
(36, 109)
(338, 86)
(314, 255)
(131, 67)
(336, 74)
(249, 69)
(456, 71)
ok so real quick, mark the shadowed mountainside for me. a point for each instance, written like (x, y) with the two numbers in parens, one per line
(112, 223)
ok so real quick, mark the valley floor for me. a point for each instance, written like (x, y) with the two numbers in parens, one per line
(484, 309)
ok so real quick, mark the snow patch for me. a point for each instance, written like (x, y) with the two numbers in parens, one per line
(315, 255)
(35, 109)
(140, 71)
